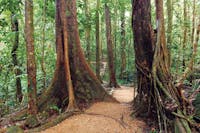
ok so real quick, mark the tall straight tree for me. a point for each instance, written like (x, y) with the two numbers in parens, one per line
(156, 91)
(87, 30)
(169, 25)
(98, 47)
(31, 65)
(114, 30)
(85, 85)
(162, 37)
(169, 21)
(112, 76)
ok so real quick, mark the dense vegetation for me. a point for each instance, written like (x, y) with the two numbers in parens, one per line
(181, 21)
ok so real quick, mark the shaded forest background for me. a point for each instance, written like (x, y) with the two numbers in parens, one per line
(181, 22)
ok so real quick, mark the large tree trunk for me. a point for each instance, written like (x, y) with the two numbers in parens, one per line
(156, 90)
(143, 52)
(31, 65)
(87, 87)
(112, 80)
(15, 29)
(85, 81)
(62, 16)
(163, 84)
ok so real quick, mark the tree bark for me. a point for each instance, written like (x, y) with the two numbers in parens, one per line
(31, 65)
(85, 79)
(87, 87)
(169, 22)
(87, 30)
(184, 34)
(169, 25)
(162, 39)
(15, 29)
(72, 106)
(156, 91)
(112, 80)
(144, 48)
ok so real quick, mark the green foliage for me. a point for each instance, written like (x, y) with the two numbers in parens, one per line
(7, 76)
(10, 5)
(55, 108)
(16, 7)
(153, 131)
(50, 8)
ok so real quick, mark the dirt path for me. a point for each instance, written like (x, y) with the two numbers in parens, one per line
(103, 117)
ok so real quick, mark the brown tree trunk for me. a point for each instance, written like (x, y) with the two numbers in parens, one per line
(169, 22)
(163, 83)
(85, 79)
(87, 87)
(31, 65)
(114, 32)
(98, 47)
(169, 25)
(123, 43)
(87, 30)
(184, 34)
(162, 38)
(156, 91)
(15, 29)
(61, 5)
(113, 81)
(143, 46)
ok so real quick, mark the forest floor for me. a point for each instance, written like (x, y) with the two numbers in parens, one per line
(104, 117)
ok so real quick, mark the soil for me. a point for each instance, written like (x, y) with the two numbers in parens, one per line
(104, 117)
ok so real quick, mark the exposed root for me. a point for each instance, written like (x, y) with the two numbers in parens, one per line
(54, 122)
(72, 108)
